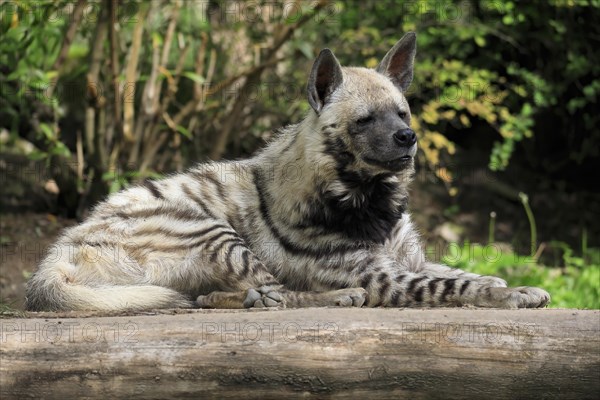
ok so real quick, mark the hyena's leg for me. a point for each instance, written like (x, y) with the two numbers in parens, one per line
(442, 271)
(248, 283)
(408, 289)
(269, 296)
(242, 275)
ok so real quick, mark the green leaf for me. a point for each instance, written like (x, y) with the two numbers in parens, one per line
(480, 40)
(194, 77)
(47, 131)
(508, 20)
(157, 39)
(184, 131)
(37, 155)
(115, 186)
(109, 176)
(16, 34)
(306, 49)
(61, 149)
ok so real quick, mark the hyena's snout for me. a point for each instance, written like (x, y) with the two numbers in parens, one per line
(405, 138)
(391, 145)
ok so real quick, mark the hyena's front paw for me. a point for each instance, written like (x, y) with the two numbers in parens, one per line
(264, 296)
(520, 297)
(353, 297)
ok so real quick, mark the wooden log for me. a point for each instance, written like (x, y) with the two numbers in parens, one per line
(339, 353)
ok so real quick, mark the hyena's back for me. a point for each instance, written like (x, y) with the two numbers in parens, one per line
(142, 248)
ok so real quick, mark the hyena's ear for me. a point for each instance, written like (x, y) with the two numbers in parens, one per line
(398, 62)
(325, 77)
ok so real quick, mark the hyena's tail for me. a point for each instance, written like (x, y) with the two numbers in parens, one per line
(50, 289)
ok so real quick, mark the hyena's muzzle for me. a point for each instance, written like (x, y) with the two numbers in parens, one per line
(391, 144)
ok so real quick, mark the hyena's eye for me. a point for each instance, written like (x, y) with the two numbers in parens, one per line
(365, 120)
(402, 114)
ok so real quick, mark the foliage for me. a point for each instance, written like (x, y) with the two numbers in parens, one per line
(490, 68)
(150, 86)
(107, 93)
(27, 49)
(114, 92)
(9, 310)
(574, 285)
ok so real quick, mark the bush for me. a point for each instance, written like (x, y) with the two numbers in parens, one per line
(574, 285)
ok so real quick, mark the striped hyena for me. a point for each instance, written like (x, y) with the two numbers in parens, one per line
(317, 218)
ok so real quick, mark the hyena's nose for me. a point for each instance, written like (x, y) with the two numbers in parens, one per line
(405, 137)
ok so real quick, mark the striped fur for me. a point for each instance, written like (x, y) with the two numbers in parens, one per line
(319, 209)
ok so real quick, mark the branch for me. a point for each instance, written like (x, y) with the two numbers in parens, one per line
(94, 101)
(145, 111)
(70, 34)
(131, 73)
(174, 80)
(285, 32)
(114, 64)
(193, 105)
(164, 59)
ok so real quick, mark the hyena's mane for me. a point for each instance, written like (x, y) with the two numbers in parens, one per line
(371, 219)
(354, 202)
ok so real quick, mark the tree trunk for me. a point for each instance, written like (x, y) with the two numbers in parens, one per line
(342, 353)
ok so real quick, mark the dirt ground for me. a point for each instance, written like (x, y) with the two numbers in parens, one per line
(23, 240)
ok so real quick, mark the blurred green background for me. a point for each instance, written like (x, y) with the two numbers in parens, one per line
(95, 95)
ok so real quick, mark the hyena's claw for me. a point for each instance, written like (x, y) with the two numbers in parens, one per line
(252, 297)
(264, 296)
(354, 297)
(202, 302)
(536, 297)
(522, 297)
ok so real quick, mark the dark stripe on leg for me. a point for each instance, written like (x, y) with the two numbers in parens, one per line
(245, 263)
(258, 265)
(433, 285)
(448, 288)
(216, 250)
(419, 295)
(382, 277)
(219, 235)
(366, 281)
(230, 266)
(364, 264)
(413, 284)
(464, 287)
(395, 298)
(383, 289)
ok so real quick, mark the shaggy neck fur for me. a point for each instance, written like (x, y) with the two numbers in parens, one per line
(313, 181)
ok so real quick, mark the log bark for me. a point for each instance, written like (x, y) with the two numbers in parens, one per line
(339, 353)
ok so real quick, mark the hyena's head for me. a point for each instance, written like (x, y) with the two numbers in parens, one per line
(362, 114)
